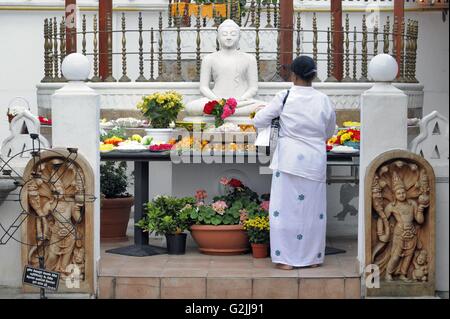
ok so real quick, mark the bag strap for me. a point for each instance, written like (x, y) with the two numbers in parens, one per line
(285, 99)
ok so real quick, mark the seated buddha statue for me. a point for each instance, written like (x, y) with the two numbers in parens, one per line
(234, 74)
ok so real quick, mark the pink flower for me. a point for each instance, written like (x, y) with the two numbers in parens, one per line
(227, 112)
(232, 103)
(265, 205)
(219, 207)
(224, 181)
(201, 195)
(243, 216)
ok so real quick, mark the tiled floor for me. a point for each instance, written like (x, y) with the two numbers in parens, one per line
(197, 276)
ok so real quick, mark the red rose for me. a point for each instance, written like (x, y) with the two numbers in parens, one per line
(235, 183)
(209, 107)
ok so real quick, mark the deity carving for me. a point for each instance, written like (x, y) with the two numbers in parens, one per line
(55, 196)
(400, 193)
(420, 272)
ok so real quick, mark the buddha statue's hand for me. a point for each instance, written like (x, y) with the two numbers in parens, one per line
(243, 103)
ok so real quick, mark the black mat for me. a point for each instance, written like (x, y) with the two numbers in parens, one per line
(334, 251)
(138, 251)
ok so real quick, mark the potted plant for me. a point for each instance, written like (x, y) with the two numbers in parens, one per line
(162, 110)
(169, 216)
(217, 228)
(116, 203)
(258, 231)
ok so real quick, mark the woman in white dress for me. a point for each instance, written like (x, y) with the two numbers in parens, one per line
(298, 196)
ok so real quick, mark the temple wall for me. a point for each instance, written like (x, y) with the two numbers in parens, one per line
(22, 51)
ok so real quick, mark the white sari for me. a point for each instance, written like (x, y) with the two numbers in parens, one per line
(298, 195)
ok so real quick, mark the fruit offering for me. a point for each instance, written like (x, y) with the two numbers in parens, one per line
(106, 147)
(113, 140)
(160, 147)
(136, 138)
(147, 140)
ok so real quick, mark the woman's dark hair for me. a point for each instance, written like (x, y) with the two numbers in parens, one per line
(304, 67)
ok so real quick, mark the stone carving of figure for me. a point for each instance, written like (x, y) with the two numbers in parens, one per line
(405, 212)
(400, 195)
(61, 216)
(34, 197)
(234, 74)
(420, 272)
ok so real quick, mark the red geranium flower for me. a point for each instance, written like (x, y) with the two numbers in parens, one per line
(209, 107)
(265, 205)
(235, 183)
(201, 195)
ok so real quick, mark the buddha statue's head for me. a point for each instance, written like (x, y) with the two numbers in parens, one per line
(229, 34)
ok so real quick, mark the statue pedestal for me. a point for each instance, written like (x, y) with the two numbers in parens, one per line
(210, 120)
(245, 120)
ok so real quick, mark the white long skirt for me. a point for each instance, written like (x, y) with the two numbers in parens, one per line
(298, 220)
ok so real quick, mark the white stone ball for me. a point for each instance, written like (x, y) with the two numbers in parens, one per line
(383, 68)
(76, 67)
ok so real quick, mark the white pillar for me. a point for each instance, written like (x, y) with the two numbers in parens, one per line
(383, 127)
(76, 123)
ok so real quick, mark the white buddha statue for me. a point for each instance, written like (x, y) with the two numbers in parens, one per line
(234, 73)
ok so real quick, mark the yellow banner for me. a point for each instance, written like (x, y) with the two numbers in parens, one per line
(221, 9)
(181, 7)
(193, 9)
(206, 11)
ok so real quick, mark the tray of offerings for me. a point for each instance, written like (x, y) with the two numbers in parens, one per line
(230, 133)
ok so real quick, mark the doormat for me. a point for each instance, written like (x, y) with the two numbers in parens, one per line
(334, 251)
(138, 251)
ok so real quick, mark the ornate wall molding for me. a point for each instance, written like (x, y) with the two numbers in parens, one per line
(124, 96)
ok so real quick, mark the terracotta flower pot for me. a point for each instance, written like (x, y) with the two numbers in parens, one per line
(260, 250)
(221, 240)
(114, 218)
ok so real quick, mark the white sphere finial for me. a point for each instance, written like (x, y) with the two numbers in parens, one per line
(383, 68)
(76, 67)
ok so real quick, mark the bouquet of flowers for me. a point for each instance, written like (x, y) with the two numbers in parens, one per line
(220, 109)
(348, 137)
(161, 108)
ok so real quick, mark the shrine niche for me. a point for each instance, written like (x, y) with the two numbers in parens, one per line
(57, 197)
(400, 224)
